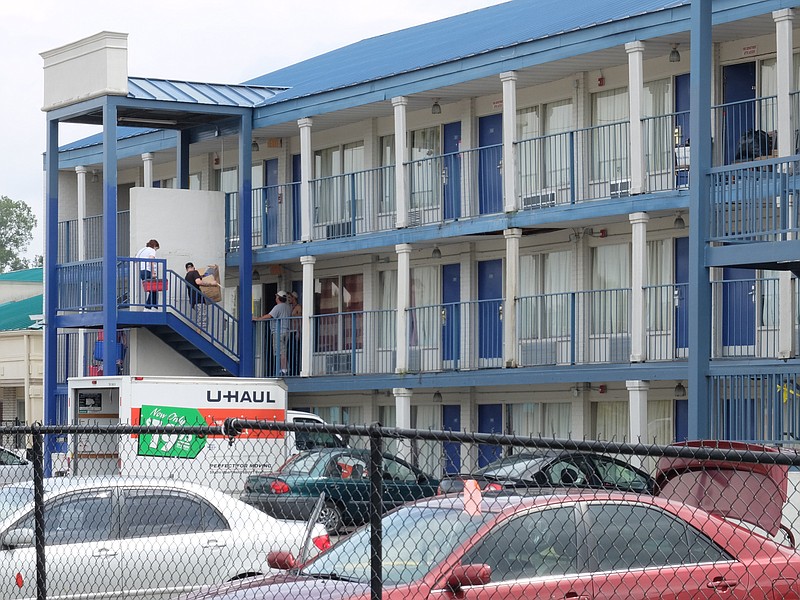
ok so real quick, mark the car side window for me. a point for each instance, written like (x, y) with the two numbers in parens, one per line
(565, 472)
(76, 519)
(9, 458)
(538, 544)
(148, 513)
(615, 475)
(397, 471)
(629, 537)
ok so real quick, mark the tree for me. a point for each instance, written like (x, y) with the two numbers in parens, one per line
(16, 231)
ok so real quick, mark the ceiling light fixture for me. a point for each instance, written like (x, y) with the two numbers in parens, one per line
(437, 397)
(679, 222)
(254, 147)
(95, 177)
(436, 109)
(680, 390)
(675, 56)
(436, 252)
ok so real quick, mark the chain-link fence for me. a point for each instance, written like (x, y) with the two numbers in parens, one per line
(260, 510)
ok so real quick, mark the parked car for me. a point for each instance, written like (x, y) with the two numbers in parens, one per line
(13, 467)
(342, 473)
(148, 539)
(579, 544)
(550, 468)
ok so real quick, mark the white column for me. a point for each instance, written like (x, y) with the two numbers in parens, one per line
(787, 302)
(783, 39)
(509, 79)
(306, 355)
(306, 162)
(81, 171)
(147, 161)
(512, 291)
(635, 88)
(403, 302)
(637, 406)
(401, 157)
(638, 281)
(402, 403)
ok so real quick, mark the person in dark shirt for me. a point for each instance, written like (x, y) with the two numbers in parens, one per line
(196, 297)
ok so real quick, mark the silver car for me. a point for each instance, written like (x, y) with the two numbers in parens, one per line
(123, 538)
(14, 468)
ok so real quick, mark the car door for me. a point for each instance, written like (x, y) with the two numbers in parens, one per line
(639, 552)
(535, 555)
(82, 553)
(174, 540)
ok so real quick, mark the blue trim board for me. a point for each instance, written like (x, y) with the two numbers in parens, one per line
(753, 253)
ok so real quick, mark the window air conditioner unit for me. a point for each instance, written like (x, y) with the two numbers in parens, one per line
(341, 362)
(543, 200)
(415, 217)
(621, 188)
(616, 348)
(414, 360)
(538, 352)
(338, 230)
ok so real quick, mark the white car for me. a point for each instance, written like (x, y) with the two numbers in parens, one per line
(129, 538)
(13, 468)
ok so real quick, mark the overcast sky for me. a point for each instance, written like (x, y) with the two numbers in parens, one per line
(198, 40)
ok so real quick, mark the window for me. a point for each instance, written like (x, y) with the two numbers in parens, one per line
(543, 146)
(611, 421)
(566, 472)
(539, 544)
(148, 513)
(611, 276)
(629, 537)
(545, 281)
(610, 140)
(388, 159)
(334, 196)
(660, 307)
(617, 475)
(425, 168)
(425, 321)
(339, 302)
(9, 458)
(548, 419)
(76, 519)
(397, 471)
(657, 102)
(387, 290)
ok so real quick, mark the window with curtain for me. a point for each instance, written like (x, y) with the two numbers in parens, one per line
(388, 158)
(767, 110)
(543, 155)
(545, 280)
(387, 291)
(611, 281)
(427, 454)
(540, 419)
(425, 168)
(660, 429)
(611, 421)
(610, 142)
(557, 419)
(425, 320)
(387, 417)
(529, 156)
(657, 102)
(523, 419)
(558, 119)
(335, 301)
(659, 299)
(333, 194)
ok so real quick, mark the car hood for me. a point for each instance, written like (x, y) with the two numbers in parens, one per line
(727, 488)
(284, 587)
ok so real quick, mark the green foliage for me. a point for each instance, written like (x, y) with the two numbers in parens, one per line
(16, 231)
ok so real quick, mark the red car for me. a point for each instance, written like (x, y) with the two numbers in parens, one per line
(582, 544)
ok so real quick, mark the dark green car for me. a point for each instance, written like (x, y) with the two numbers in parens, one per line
(343, 474)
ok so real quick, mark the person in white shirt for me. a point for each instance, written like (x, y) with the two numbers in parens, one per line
(148, 271)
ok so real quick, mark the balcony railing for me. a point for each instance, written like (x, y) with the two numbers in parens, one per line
(354, 343)
(667, 322)
(93, 237)
(666, 148)
(68, 241)
(747, 318)
(744, 130)
(353, 203)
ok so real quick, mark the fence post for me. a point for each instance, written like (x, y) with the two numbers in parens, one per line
(38, 511)
(375, 512)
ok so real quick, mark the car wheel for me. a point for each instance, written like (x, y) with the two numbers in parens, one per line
(330, 517)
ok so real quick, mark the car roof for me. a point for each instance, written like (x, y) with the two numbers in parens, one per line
(63, 484)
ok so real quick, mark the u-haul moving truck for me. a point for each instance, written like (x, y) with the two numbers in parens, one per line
(215, 461)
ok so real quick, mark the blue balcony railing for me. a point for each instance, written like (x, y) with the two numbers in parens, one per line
(744, 130)
(666, 147)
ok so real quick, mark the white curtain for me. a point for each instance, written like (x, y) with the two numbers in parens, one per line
(529, 289)
(327, 162)
(425, 294)
(428, 453)
(659, 422)
(529, 154)
(524, 419)
(387, 417)
(657, 102)
(557, 280)
(387, 291)
(387, 197)
(611, 423)
(557, 120)
(611, 272)
(557, 417)
(353, 188)
(768, 109)
(609, 145)
(659, 271)
(425, 168)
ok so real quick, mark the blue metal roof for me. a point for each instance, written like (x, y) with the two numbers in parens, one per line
(142, 88)
(450, 39)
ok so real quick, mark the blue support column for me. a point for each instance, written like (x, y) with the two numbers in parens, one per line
(50, 289)
(182, 144)
(246, 354)
(110, 235)
(699, 192)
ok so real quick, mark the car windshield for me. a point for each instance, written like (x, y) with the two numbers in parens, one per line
(13, 498)
(300, 463)
(414, 540)
(513, 467)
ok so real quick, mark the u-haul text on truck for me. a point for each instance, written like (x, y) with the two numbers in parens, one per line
(216, 461)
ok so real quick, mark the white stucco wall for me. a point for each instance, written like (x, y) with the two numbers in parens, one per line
(151, 356)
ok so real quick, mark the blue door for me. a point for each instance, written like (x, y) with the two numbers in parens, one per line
(451, 421)
(451, 314)
(681, 421)
(682, 122)
(681, 292)
(271, 202)
(451, 170)
(490, 294)
(295, 194)
(739, 86)
(490, 181)
(738, 307)
(490, 420)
